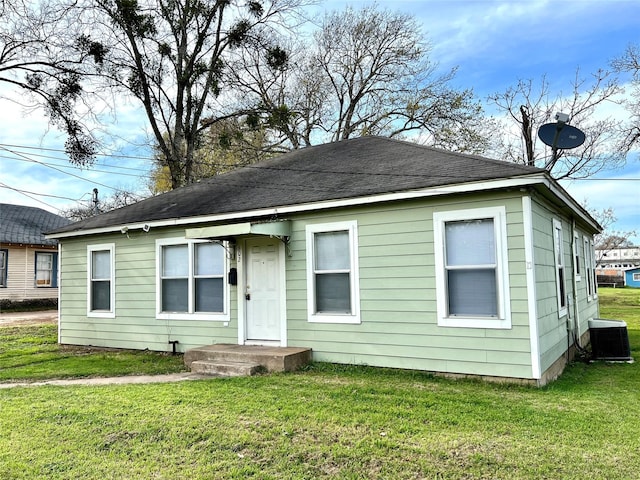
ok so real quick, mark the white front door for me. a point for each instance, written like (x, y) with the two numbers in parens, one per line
(263, 290)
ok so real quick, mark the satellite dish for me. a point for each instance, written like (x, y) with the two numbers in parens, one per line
(561, 136)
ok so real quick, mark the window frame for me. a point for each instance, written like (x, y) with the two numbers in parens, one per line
(578, 266)
(53, 271)
(191, 314)
(4, 270)
(635, 277)
(351, 227)
(558, 254)
(503, 298)
(590, 272)
(111, 248)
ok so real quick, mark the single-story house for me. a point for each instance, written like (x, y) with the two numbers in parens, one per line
(369, 251)
(28, 260)
(632, 277)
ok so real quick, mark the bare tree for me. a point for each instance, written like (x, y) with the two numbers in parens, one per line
(366, 72)
(41, 55)
(527, 106)
(173, 57)
(629, 62)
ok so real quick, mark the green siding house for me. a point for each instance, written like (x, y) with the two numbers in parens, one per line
(368, 251)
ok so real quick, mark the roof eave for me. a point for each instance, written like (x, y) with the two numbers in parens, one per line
(527, 180)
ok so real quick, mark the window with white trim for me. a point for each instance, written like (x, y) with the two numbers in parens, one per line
(592, 259)
(589, 270)
(4, 258)
(45, 271)
(558, 254)
(472, 279)
(636, 277)
(333, 294)
(101, 284)
(577, 264)
(191, 280)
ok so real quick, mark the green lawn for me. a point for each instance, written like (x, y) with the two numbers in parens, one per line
(31, 353)
(335, 422)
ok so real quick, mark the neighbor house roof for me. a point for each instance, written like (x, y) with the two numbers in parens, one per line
(361, 167)
(27, 225)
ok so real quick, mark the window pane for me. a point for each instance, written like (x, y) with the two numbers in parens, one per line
(558, 246)
(44, 269)
(175, 295)
(333, 293)
(332, 251)
(209, 295)
(470, 242)
(101, 295)
(44, 261)
(175, 261)
(472, 292)
(209, 259)
(101, 265)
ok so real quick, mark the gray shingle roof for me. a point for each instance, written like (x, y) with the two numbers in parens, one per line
(27, 225)
(347, 169)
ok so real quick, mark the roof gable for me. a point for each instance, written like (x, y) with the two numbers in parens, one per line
(342, 170)
(27, 225)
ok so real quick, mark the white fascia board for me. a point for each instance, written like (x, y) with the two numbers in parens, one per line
(562, 194)
(515, 182)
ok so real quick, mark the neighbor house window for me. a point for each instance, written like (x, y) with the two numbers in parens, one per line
(471, 268)
(192, 279)
(332, 273)
(558, 251)
(46, 264)
(4, 258)
(101, 274)
(636, 277)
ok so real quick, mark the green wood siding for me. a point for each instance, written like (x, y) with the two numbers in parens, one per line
(398, 295)
(135, 325)
(552, 328)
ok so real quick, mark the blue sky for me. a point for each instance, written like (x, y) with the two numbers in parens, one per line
(492, 43)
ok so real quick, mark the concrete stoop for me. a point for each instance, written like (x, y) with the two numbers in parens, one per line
(243, 360)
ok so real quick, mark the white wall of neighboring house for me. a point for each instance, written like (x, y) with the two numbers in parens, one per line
(613, 262)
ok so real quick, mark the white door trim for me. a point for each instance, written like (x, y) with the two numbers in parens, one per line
(241, 289)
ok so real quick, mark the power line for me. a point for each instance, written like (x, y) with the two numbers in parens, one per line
(4, 185)
(75, 167)
(61, 171)
(62, 151)
(32, 198)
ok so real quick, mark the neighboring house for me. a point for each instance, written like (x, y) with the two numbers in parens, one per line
(369, 251)
(28, 260)
(632, 277)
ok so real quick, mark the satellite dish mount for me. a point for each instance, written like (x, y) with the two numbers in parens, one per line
(560, 136)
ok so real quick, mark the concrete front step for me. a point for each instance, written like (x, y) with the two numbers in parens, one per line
(272, 359)
(225, 369)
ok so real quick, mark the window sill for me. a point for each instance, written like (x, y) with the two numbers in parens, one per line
(334, 318)
(98, 314)
(215, 317)
(475, 322)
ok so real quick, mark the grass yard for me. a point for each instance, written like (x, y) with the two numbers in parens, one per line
(31, 353)
(335, 422)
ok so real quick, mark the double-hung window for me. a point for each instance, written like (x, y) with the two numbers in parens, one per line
(471, 268)
(46, 269)
(590, 269)
(577, 264)
(191, 281)
(332, 273)
(101, 284)
(4, 258)
(558, 251)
